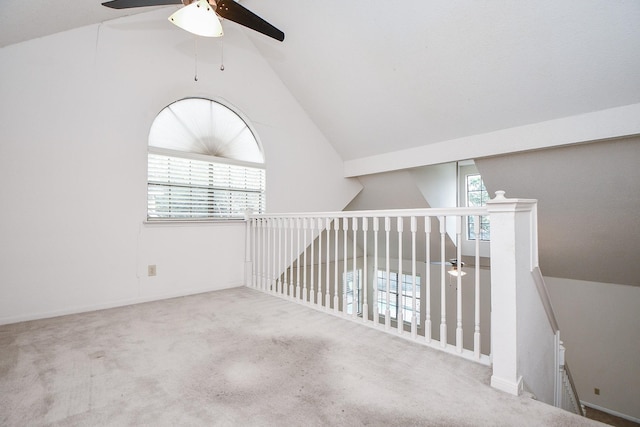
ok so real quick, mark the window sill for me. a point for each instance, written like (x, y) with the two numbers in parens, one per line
(192, 222)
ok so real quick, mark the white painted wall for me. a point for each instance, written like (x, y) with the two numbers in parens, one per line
(437, 183)
(599, 326)
(394, 190)
(75, 113)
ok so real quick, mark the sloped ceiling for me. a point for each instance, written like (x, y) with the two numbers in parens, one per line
(378, 77)
(24, 20)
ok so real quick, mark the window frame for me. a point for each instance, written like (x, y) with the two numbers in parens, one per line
(212, 188)
(484, 219)
(405, 279)
(356, 292)
(220, 195)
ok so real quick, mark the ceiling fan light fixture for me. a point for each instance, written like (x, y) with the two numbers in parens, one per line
(454, 272)
(454, 269)
(198, 18)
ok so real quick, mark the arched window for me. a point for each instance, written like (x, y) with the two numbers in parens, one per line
(204, 163)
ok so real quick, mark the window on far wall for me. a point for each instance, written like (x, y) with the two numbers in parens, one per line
(353, 287)
(477, 195)
(399, 299)
(204, 163)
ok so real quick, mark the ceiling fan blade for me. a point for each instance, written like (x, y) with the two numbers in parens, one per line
(126, 4)
(229, 9)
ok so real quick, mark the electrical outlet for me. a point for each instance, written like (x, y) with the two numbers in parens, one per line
(596, 391)
(151, 269)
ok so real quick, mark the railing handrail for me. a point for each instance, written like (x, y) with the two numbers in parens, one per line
(545, 298)
(433, 212)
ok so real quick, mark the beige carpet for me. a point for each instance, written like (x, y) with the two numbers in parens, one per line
(241, 358)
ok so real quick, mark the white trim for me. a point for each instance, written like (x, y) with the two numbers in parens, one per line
(507, 386)
(204, 157)
(193, 221)
(599, 125)
(382, 213)
(230, 106)
(610, 411)
(112, 304)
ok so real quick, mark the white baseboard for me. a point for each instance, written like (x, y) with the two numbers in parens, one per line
(111, 304)
(610, 412)
(510, 387)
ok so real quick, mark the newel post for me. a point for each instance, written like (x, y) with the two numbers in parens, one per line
(513, 253)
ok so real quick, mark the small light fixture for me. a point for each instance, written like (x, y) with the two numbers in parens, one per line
(454, 268)
(198, 18)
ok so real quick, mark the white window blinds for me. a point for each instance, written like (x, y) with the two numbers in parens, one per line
(183, 188)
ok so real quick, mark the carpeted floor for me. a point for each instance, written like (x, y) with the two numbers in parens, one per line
(241, 358)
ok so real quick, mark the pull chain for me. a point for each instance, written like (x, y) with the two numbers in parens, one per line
(222, 54)
(195, 44)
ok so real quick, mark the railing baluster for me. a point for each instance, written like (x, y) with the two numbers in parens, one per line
(286, 288)
(256, 253)
(387, 313)
(376, 314)
(291, 257)
(312, 293)
(285, 260)
(459, 336)
(254, 249)
(269, 253)
(345, 228)
(272, 253)
(274, 271)
(319, 288)
(443, 284)
(336, 299)
(365, 285)
(299, 252)
(355, 303)
(400, 282)
(249, 244)
(274, 260)
(279, 264)
(305, 290)
(327, 295)
(427, 320)
(263, 254)
(414, 322)
(476, 333)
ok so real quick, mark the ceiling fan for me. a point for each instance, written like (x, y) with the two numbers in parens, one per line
(227, 9)
(454, 271)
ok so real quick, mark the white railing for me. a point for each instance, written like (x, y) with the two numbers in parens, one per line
(567, 395)
(377, 267)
